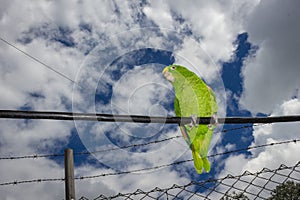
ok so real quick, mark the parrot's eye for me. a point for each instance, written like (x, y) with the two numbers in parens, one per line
(173, 67)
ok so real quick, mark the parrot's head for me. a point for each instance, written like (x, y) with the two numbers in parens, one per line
(176, 73)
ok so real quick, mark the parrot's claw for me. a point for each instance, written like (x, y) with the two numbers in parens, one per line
(213, 121)
(194, 122)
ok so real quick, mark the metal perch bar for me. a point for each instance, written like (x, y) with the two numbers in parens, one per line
(19, 114)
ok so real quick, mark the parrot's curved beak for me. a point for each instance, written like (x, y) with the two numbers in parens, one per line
(165, 70)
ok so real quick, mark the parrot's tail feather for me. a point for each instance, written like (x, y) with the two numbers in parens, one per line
(206, 164)
(198, 162)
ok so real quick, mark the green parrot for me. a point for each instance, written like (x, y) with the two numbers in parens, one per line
(193, 98)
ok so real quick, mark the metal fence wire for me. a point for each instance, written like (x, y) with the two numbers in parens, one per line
(258, 185)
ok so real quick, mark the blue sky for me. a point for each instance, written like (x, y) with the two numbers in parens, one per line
(115, 51)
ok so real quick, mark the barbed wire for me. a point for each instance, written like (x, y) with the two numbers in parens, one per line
(149, 168)
(32, 181)
(184, 161)
(36, 156)
(246, 183)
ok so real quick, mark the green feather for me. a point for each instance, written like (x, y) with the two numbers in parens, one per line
(193, 97)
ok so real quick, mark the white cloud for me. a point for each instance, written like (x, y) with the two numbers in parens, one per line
(215, 23)
(18, 170)
(271, 76)
(159, 12)
(148, 88)
(270, 81)
(272, 156)
(19, 137)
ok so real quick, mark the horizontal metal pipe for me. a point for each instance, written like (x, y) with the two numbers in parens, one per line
(24, 114)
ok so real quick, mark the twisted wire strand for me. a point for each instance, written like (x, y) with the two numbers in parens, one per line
(35, 156)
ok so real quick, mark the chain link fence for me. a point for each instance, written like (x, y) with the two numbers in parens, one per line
(247, 185)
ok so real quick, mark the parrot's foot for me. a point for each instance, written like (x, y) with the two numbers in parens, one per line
(194, 122)
(213, 121)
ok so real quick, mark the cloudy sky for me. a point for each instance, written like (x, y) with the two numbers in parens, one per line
(107, 57)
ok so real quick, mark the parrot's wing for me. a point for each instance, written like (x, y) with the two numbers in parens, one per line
(213, 100)
(182, 128)
(177, 107)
